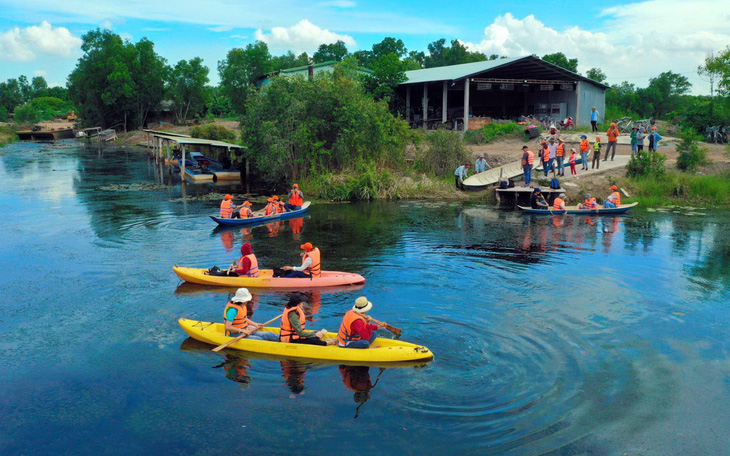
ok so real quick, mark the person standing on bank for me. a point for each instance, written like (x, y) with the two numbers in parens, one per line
(612, 134)
(293, 324)
(481, 164)
(594, 119)
(460, 175)
(355, 330)
(639, 141)
(528, 160)
(584, 147)
(596, 153)
(560, 156)
(236, 321)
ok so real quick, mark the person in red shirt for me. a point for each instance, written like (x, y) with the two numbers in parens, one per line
(247, 265)
(356, 330)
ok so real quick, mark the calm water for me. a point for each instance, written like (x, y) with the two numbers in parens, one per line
(586, 336)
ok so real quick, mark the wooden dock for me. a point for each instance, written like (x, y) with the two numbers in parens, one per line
(45, 135)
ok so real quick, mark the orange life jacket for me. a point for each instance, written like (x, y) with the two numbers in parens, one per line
(584, 145)
(558, 203)
(295, 198)
(344, 335)
(530, 158)
(546, 155)
(561, 150)
(253, 271)
(615, 198)
(315, 270)
(280, 208)
(612, 134)
(246, 212)
(590, 203)
(226, 209)
(270, 209)
(241, 320)
(287, 333)
(572, 158)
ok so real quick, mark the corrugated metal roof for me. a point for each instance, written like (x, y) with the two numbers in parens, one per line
(184, 139)
(452, 72)
(455, 72)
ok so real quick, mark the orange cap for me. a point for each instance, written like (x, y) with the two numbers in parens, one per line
(247, 203)
(613, 187)
(228, 197)
(653, 128)
(598, 138)
(307, 246)
(270, 200)
(295, 186)
(275, 198)
(613, 124)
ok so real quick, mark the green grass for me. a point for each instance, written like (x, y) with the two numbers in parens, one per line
(676, 188)
(7, 135)
(493, 131)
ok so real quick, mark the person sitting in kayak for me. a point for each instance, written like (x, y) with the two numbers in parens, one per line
(311, 266)
(590, 203)
(236, 321)
(537, 201)
(293, 323)
(280, 207)
(247, 265)
(559, 203)
(355, 330)
(296, 199)
(614, 199)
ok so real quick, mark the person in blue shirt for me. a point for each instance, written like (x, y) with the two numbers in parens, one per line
(481, 164)
(654, 139)
(236, 321)
(460, 175)
(594, 119)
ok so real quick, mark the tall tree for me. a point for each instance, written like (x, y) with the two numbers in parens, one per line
(149, 72)
(334, 51)
(186, 87)
(388, 72)
(596, 74)
(457, 53)
(562, 61)
(39, 87)
(10, 95)
(240, 70)
(665, 91)
(289, 60)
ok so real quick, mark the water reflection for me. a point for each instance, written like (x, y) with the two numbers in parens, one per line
(357, 380)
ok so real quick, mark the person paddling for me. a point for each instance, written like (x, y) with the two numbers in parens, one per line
(236, 321)
(293, 324)
(296, 199)
(537, 201)
(355, 330)
(311, 266)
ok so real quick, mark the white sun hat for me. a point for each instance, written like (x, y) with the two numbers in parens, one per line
(242, 295)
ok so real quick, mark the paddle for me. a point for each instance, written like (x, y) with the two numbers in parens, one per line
(242, 335)
(396, 331)
(546, 203)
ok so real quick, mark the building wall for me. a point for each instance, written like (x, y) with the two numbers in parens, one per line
(589, 96)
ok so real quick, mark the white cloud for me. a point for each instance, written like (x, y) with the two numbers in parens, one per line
(126, 36)
(107, 24)
(303, 36)
(221, 28)
(636, 42)
(22, 44)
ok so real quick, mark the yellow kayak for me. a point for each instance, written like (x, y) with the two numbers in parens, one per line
(267, 280)
(388, 351)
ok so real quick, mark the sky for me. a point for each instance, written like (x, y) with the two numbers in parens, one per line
(629, 41)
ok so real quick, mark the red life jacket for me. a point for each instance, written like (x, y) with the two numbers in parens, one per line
(253, 271)
(226, 209)
(287, 333)
(345, 335)
(315, 270)
(295, 198)
(241, 320)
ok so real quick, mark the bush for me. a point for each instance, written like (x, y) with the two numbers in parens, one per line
(443, 153)
(43, 108)
(3, 114)
(646, 163)
(367, 183)
(213, 131)
(691, 154)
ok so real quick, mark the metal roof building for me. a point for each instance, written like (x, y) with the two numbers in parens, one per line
(503, 88)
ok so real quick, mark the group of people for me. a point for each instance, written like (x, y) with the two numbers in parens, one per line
(274, 206)
(247, 264)
(357, 329)
(539, 201)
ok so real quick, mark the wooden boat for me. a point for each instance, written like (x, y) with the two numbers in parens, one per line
(266, 279)
(262, 219)
(388, 351)
(573, 210)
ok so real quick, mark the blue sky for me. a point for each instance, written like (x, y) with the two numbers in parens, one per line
(629, 41)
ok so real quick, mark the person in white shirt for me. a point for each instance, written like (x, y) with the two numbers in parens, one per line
(460, 174)
(481, 164)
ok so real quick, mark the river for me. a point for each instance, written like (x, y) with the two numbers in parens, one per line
(559, 336)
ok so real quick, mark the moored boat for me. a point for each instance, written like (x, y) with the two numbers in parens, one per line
(266, 279)
(388, 351)
(573, 210)
(262, 219)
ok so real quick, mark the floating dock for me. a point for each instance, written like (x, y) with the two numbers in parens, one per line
(45, 135)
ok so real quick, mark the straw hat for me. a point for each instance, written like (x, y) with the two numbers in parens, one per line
(362, 305)
(242, 295)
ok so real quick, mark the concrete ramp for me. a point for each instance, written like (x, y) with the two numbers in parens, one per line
(492, 176)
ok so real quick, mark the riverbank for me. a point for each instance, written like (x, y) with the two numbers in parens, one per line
(7, 135)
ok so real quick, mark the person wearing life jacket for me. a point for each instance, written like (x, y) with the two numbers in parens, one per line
(355, 330)
(559, 203)
(584, 146)
(571, 161)
(236, 321)
(280, 207)
(596, 153)
(227, 207)
(545, 157)
(247, 265)
(560, 155)
(311, 266)
(245, 211)
(296, 199)
(528, 160)
(614, 199)
(612, 134)
(293, 324)
(589, 203)
(270, 208)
